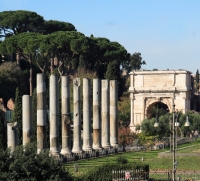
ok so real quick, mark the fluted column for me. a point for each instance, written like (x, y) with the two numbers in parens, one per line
(96, 114)
(54, 115)
(105, 113)
(27, 124)
(66, 119)
(113, 113)
(41, 113)
(76, 116)
(12, 136)
(86, 115)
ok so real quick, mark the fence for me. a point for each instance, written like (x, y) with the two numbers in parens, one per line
(137, 174)
(128, 175)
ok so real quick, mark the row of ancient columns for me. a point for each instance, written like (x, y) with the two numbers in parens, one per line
(104, 115)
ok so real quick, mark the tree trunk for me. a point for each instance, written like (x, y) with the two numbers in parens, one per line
(18, 58)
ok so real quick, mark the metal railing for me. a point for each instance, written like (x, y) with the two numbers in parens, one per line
(181, 175)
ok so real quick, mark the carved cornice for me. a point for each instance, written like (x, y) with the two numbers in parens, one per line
(155, 91)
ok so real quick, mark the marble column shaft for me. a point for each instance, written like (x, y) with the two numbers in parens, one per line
(54, 115)
(27, 123)
(41, 113)
(113, 113)
(12, 136)
(76, 116)
(86, 115)
(105, 113)
(96, 114)
(66, 117)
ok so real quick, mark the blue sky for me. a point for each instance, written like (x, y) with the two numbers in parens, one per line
(165, 32)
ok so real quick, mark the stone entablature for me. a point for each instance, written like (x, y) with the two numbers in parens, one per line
(150, 87)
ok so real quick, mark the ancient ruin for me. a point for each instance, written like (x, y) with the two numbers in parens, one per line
(101, 103)
(158, 88)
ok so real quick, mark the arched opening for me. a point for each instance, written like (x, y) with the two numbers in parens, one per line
(151, 110)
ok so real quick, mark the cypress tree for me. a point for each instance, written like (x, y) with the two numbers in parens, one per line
(197, 76)
(113, 72)
(17, 113)
(82, 63)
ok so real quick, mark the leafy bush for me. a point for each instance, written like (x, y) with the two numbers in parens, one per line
(104, 172)
(26, 164)
(125, 136)
(124, 108)
(121, 160)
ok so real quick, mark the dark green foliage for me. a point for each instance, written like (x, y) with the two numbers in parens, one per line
(34, 116)
(53, 26)
(135, 62)
(121, 160)
(11, 77)
(113, 71)
(82, 63)
(26, 164)
(16, 22)
(163, 130)
(165, 124)
(74, 63)
(17, 113)
(197, 76)
(194, 119)
(2, 133)
(104, 172)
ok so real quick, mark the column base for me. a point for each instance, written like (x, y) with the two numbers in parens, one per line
(115, 145)
(133, 128)
(65, 151)
(77, 151)
(106, 146)
(96, 147)
(54, 153)
(87, 149)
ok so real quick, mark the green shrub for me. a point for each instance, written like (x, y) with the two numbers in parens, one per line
(104, 172)
(26, 164)
(121, 160)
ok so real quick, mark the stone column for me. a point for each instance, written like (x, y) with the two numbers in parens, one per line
(96, 114)
(41, 113)
(66, 119)
(12, 136)
(76, 117)
(86, 115)
(113, 113)
(105, 113)
(132, 125)
(54, 115)
(27, 119)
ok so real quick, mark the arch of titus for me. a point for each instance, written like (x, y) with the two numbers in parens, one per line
(148, 88)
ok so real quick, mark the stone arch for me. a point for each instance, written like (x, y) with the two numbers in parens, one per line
(162, 103)
(147, 88)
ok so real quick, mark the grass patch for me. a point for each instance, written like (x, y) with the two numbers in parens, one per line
(149, 157)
